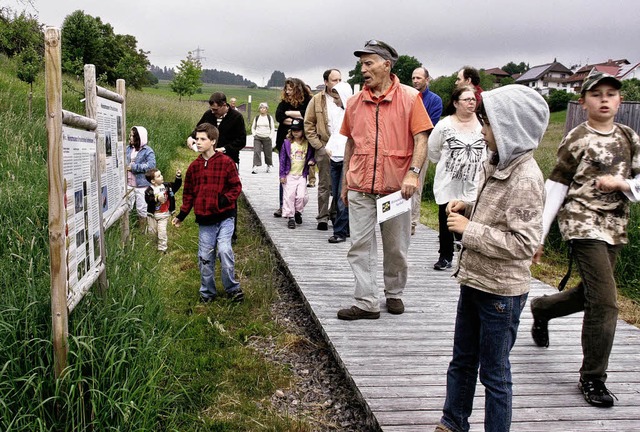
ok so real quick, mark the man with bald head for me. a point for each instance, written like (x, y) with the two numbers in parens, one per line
(433, 104)
(387, 127)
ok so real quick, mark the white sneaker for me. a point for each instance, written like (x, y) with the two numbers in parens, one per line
(268, 168)
(254, 170)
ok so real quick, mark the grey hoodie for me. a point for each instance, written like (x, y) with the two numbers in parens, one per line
(518, 116)
(505, 224)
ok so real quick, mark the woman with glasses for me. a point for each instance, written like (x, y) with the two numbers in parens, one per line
(457, 147)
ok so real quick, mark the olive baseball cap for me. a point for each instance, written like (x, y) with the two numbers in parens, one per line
(595, 78)
(383, 49)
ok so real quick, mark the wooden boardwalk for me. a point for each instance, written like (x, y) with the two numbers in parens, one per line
(398, 363)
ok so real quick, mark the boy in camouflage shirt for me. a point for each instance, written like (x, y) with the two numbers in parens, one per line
(596, 176)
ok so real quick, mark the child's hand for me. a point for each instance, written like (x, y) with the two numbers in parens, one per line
(161, 198)
(457, 223)
(609, 183)
(538, 255)
(311, 163)
(456, 206)
(283, 180)
(176, 222)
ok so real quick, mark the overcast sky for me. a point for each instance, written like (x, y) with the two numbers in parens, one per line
(303, 38)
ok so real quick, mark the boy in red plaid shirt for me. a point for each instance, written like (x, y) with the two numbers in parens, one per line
(211, 188)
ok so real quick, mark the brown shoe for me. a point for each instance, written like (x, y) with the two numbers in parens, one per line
(395, 306)
(355, 313)
(442, 428)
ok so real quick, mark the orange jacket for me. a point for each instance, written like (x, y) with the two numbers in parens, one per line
(382, 129)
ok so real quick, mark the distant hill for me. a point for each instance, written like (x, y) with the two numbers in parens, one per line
(211, 76)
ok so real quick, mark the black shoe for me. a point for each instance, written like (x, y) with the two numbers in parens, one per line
(355, 313)
(596, 393)
(206, 300)
(336, 239)
(277, 213)
(323, 226)
(298, 217)
(395, 306)
(291, 224)
(236, 296)
(442, 264)
(540, 332)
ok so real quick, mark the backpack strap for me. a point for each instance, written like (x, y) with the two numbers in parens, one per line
(566, 277)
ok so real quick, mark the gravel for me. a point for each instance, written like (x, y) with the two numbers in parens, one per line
(321, 394)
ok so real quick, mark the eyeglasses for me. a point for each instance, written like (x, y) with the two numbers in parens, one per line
(482, 118)
(468, 100)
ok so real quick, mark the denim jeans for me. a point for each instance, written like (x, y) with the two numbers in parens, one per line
(212, 237)
(485, 332)
(341, 223)
(597, 296)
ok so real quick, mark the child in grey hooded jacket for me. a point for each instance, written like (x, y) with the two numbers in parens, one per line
(500, 234)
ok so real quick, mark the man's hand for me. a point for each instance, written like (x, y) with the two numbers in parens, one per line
(456, 206)
(283, 180)
(410, 185)
(191, 143)
(176, 222)
(221, 149)
(457, 223)
(344, 196)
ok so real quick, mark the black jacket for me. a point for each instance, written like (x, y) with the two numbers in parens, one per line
(233, 136)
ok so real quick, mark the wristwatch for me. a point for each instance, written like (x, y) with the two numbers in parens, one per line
(414, 170)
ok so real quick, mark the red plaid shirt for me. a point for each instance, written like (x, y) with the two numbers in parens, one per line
(211, 188)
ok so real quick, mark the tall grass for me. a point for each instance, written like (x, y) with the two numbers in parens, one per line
(144, 356)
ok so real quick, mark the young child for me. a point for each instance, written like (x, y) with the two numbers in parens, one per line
(595, 177)
(500, 234)
(295, 158)
(161, 203)
(211, 188)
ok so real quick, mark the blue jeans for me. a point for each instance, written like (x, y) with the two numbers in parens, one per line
(212, 237)
(486, 328)
(341, 223)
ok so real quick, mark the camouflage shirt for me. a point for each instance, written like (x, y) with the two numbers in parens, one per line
(584, 155)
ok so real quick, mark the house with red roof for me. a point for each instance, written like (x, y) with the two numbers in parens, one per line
(544, 78)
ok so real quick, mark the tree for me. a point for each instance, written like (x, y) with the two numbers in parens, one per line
(87, 40)
(187, 79)
(511, 68)
(277, 79)
(558, 100)
(404, 68)
(631, 89)
(19, 33)
(29, 65)
(443, 86)
(506, 81)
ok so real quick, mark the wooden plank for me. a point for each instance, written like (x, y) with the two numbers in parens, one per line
(398, 363)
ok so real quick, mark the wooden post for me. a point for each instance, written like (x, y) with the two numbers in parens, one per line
(121, 89)
(58, 265)
(91, 111)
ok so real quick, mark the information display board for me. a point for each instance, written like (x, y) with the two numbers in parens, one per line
(110, 156)
(82, 199)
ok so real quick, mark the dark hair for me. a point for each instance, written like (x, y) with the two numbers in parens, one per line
(136, 138)
(218, 98)
(150, 174)
(455, 97)
(326, 73)
(209, 129)
(469, 72)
